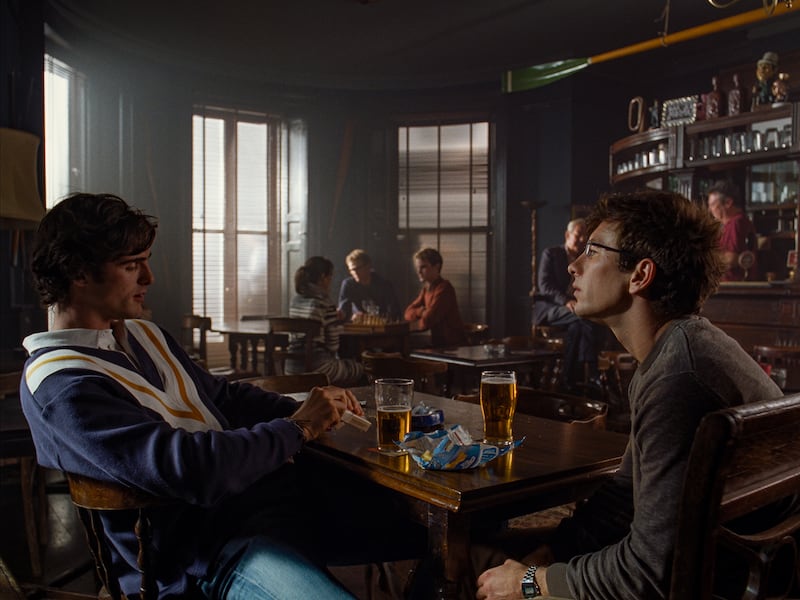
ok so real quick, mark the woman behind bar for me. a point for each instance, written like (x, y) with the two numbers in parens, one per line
(312, 282)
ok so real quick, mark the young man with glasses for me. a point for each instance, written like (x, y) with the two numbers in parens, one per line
(650, 262)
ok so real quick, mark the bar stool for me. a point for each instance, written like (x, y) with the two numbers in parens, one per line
(781, 357)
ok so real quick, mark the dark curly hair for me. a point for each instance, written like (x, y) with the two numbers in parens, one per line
(313, 271)
(678, 235)
(81, 233)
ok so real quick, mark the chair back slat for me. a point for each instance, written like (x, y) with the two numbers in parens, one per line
(91, 498)
(743, 459)
(308, 328)
(394, 364)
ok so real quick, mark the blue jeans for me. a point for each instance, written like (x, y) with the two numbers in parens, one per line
(264, 568)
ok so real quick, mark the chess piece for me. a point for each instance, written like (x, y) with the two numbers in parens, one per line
(780, 88)
(765, 74)
(713, 99)
(735, 97)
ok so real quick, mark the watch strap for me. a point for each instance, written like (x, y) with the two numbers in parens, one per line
(530, 589)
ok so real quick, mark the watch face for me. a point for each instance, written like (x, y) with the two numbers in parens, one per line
(529, 590)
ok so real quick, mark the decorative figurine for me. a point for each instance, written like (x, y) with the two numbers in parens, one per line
(735, 97)
(780, 88)
(654, 112)
(713, 99)
(765, 73)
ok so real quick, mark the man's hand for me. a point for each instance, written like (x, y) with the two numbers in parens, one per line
(505, 582)
(323, 409)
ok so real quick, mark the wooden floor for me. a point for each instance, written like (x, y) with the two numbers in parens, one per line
(67, 549)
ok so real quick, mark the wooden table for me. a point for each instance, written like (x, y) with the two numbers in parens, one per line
(243, 340)
(557, 463)
(470, 360)
(389, 337)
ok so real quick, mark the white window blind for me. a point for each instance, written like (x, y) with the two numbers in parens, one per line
(443, 202)
(64, 147)
(240, 164)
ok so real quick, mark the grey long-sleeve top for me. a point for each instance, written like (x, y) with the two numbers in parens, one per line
(693, 369)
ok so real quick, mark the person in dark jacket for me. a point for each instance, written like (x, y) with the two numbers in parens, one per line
(554, 304)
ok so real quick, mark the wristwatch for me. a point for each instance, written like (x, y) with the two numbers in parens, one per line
(530, 589)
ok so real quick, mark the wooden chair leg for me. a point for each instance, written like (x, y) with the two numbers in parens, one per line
(42, 506)
(27, 475)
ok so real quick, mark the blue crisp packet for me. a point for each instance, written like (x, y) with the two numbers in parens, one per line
(451, 449)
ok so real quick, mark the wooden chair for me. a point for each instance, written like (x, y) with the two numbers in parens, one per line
(194, 330)
(743, 459)
(308, 328)
(394, 364)
(286, 384)
(550, 337)
(10, 589)
(192, 325)
(91, 498)
(782, 357)
(17, 450)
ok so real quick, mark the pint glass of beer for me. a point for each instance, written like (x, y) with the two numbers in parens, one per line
(498, 403)
(393, 399)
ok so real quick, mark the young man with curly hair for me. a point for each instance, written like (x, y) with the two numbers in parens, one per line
(113, 397)
(650, 262)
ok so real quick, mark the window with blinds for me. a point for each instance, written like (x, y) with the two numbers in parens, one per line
(241, 182)
(64, 127)
(443, 202)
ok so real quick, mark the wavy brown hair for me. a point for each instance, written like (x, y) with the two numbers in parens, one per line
(80, 234)
(679, 236)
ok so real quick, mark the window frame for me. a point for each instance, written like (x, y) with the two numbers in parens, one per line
(276, 195)
(469, 307)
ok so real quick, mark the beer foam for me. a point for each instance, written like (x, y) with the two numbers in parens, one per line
(497, 381)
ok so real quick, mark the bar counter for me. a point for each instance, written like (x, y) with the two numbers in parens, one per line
(755, 313)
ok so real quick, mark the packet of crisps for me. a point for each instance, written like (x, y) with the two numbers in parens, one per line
(451, 449)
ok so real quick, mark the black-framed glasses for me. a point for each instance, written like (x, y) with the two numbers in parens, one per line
(589, 252)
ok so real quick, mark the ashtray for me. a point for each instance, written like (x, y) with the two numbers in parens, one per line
(426, 418)
(495, 349)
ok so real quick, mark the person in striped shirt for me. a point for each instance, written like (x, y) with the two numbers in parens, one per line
(312, 282)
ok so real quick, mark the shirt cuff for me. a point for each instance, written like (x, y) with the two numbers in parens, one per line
(556, 577)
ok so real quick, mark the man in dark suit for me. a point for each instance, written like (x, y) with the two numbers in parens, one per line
(554, 305)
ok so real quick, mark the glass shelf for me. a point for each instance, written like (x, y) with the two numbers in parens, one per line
(648, 153)
(762, 135)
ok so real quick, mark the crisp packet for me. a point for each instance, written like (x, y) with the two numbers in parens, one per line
(451, 449)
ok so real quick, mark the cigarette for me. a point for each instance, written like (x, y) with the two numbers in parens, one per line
(356, 421)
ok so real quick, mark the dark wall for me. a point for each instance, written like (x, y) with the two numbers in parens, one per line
(21, 107)
(550, 148)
